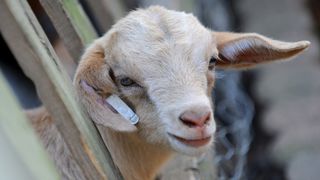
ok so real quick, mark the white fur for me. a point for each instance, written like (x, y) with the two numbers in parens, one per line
(167, 53)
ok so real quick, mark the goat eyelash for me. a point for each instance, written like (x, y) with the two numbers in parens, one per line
(126, 81)
(134, 84)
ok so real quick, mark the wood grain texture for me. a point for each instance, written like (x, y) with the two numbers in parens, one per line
(106, 12)
(71, 23)
(35, 55)
(28, 159)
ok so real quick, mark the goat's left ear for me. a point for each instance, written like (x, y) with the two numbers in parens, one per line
(93, 85)
(245, 50)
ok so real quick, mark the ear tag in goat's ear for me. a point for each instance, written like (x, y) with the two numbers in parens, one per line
(122, 108)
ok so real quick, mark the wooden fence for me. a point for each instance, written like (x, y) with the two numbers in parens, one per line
(22, 157)
(36, 56)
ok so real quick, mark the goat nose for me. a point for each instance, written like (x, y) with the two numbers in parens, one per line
(195, 119)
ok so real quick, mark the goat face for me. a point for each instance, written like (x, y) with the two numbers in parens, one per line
(161, 68)
(162, 64)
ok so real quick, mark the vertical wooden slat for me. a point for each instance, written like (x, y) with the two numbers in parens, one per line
(71, 23)
(28, 159)
(35, 55)
(106, 12)
(64, 22)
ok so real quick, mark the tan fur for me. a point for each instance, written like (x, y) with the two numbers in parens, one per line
(54, 143)
(167, 53)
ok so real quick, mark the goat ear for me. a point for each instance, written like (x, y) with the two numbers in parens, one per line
(244, 50)
(93, 85)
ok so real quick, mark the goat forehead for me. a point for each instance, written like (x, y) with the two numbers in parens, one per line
(156, 31)
(162, 44)
(175, 63)
(159, 22)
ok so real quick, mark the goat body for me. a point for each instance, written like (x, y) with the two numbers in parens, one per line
(161, 63)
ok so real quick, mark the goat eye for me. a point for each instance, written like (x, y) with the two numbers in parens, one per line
(127, 82)
(212, 63)
(213, 60)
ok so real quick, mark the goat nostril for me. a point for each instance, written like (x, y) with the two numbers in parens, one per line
(195, 119)
(187, 122)
(207, 117)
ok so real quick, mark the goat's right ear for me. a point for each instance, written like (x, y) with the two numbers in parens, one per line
(93, 85)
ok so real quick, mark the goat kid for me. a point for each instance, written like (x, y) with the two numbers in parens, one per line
(161, 63)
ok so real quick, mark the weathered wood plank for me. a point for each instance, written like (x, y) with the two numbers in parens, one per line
(35, 55)
(71, 23)
(65, 22)
(28, 159)
(106, 12)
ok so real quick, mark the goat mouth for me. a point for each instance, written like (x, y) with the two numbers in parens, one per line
(192, 142)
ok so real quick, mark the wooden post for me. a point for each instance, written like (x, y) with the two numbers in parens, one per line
(71, 23)
(35, 55)
(106, 12)
(74, 27)
(22, 156)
